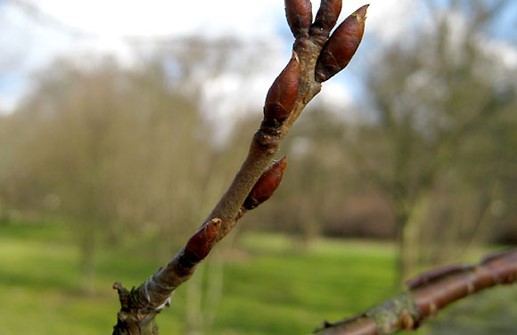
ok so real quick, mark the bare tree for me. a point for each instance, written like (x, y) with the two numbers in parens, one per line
(436, 95)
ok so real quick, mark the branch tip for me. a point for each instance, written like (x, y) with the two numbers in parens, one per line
(299, 17)
(326, 17)
(341, 46)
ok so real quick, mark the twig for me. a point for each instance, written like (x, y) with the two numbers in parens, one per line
(427, 294)
(316, 57)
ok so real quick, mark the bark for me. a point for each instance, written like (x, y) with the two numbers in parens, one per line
(427, 294)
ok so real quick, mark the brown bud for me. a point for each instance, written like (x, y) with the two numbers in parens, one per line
(434, 274)
(299, 16)
(266, 184)
(327, 16)
(282, 94)
(341, 46)
(203, 240)
(498, 256)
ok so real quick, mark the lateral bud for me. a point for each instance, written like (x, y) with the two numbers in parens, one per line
(200, 244)
(493, 257)
(282, 94)
(326, 17)
(425, 278)
(341, 46)
(299, 16)
(266, 184)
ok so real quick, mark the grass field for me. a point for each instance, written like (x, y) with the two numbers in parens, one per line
(270, 286)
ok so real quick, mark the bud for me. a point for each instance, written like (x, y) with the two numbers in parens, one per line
(341, 46)
(494, 257)
(299, 16)
(282, 94)
(266, 184)
(200, 244)
(435, 274)
(327, 16)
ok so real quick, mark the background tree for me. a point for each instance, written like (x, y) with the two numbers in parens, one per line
(437, 100)
(83, 124)
(109, 149)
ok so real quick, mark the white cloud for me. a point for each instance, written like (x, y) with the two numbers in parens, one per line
(107, 23)
(165, 18)
(73, 27)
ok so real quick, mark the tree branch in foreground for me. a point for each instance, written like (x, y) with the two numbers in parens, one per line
(427, 294)
(315, 58)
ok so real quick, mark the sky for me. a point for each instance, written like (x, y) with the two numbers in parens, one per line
(34, 32)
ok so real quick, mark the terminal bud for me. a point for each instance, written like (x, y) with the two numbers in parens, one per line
(327, 16)
(341, 46)
(299, 16)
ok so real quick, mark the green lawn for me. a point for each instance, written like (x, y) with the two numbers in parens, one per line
(270, 286)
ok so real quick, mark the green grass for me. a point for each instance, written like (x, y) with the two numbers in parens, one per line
(271, 285)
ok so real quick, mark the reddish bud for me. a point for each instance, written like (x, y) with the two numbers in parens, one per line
(341, 46)
(203, 240)
(327, 16)
(299, 16)
(266, 184)
(282, 94)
